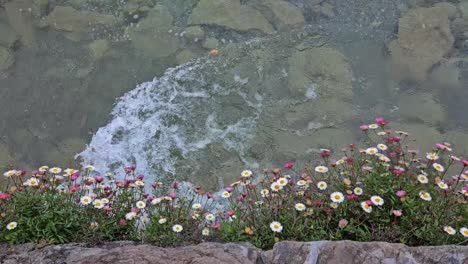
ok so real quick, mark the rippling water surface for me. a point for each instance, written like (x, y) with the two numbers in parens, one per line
(200, 89)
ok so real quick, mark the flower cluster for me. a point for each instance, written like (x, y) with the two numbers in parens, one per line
(381, 190)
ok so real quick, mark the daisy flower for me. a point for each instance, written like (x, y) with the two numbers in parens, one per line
(300, 207)
(85, 200)
(98, 204)
(371, 151)
(162, 221)
(55, 170)
(276, 187)
(264, 193)
(205, 232)
(425, 196)
(9, 173)
(156, 201)
(432, 156)
(177, 228)
(366, 207)
(438, 167)
(140, 183)
(12, 225)
(337, 197)
(226, 194)
(32, 182)
(276, 227)
(450, 230)
(196, 206)
(130, 216)
(44, 168)
(301, 183)
(89, 167)
(322, 185)
(209, 217)
(140, 204)
(321, 169)
(105, 200)
(442, 185)
(423, 179)
(382, 146)
(373, 126)
(377, 200)
(464, 231)
(246, 173)
(282, 181)
(358, 191)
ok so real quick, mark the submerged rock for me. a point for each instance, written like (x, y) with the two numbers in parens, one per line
(8, 37)
(184, 56)
(98, 48)
(424, 38)
(6, 59)
(281, 13)
(75, 22)
(154, 34)
(421, 108)
(323, 70)
(194, 33)
(211, 43)
(21, 20)
(230, 14)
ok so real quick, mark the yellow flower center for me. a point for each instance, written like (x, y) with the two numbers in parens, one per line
(337, 197)
(275, 226)
(465, 232)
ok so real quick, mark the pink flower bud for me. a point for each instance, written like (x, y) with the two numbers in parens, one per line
(172, 195)
(288, 165)
(397, 213)
(364, 127)
(401, 193)
(229, 189)
(140, 177)
(175, 185)
(122, 222)
(98, 178)
(230, 213)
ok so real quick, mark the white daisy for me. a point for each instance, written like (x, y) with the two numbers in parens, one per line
(464, 231)
(423, 179)
(226, 194)
(246, 173)
(300, 207)
(382, 146)
(322, 185)
(276, 187)
(162, 221)
(377, 200)
(140, 204)
(371, 151)
(130, 216)
(450, 230)
(358, 191)
(12, 225)
(425, 196)
(282, 181)
(55, 170)
(321, 169)
(337, 197)
(264, 193)
(209, 217)
(301, 183)
(438, 167)
(432, 156)
(85, 200)
(196, 206)
(177, 228)
(366, 207)
(276, 227)
(98, 204)
(205, 232)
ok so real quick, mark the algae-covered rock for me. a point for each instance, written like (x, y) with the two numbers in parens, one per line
(21, 20)
(184, 56)
(75, 22)
(211, 43)
(320, 73)
(424, 38)
(230, 14)
(153, 35)
(98, 48)
(421, 108)
(194, 33)
(6, 58)
(281, 13)
(8, 37)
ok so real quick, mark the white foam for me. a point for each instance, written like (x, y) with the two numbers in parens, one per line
(176, 113)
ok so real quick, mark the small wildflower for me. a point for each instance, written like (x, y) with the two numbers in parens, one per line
(438, 167)
(177, 228)
(397, 213)
(130, 216)
(9, 173)
(140, 204)
(43, 168)
(371, 151)
(288, 165)
(209, 217)
(321, 169)
(358, 191)
(425, 196)
(196, 206)
(334, 205)
(401, 193)
(226, 194)
(282, 181)
(246, 173)
(301, 183)
(442, 185)
(276, 187)
(300, 207)
(162, 221)
(377, 200)
(322, 185)
(366, 207)
(432, 156)
(347, 182)
(450, 230)
(423, 179)
(98, 204)
(342, 223)
(382, 147)
(264, 193)
(205, 232)
(55, 170)
(85, 200)
(276, 227)
(464, 231)
(12, 225)
(337, 197)
(89, 167)
(373, 126)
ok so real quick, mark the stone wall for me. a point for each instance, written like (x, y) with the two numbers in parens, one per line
(242, 253)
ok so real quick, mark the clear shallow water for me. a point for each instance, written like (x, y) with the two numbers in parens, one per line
(289, 78)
